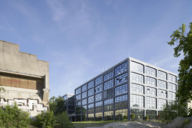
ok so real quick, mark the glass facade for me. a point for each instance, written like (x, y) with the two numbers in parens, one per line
(161, 104)
(98, 116)
(99, 106)
(78, 110)
(84, 95)
(90, 84)
(98, 88)
(136, 88)
(78, 97)
(90, 108)
(121, 114)
(108, 84)
(78, 118)
(152, 114)
(162, 93)
(84, 117)
(91, 92)
(108, 93)
(121, 79)
(150, 102)
(84, 102)
(108, 76)
(98, 80)
(108, 115)
(98, 97)
(91, 99)
(172, 95)
(137, 67)
(90, 117)
(172, 78)
(108, 104)
(171, 87)
(136, 101)
(139, 114)
(151, 81)
(84, 109)
(137, 78)
(78, 91)
(162, 84)
(150, 71)
(84, 88)
(162, 75)
(150, 91)
(121, 89)
(121, 68)
(121, 102)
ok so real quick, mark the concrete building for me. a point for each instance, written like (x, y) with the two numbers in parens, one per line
(131, 86)
(25, 78)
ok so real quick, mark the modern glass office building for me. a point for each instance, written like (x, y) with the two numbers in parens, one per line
(130, 86)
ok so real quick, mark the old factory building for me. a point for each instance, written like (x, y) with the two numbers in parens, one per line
(25, 79)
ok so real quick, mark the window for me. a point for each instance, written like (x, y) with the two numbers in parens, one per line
(78, 97)
(108, 104)
(98, 116)
(84, 95)
(108, 84)
(150, 71)
(137, 101)
(137, 67)
(139, 114)
(152, 114)
(162, 84)
(78, 110)
(90, 84)
(98, 97)
(91, 92)
(84, 88)
(91, 99)
(108, 115)
(98, 80)
(121, 102)
(108, 93)
(108, 76)
(172, 78)
(150, 91)
(78, 103)
(90, 117)
(98, 88)
(171, 95)
(91, 108)
(121, 68)
(150, 102)
(99, 106)
(151, 81)
(121, 79)
(121, 114)
(136, 88)
(78, 91)
(84, 117)
(84, 101)
(121, 89)
(84, 109)
(137, 78)
(161, 104)
(162, 75)
(162, 93)
(171, 87)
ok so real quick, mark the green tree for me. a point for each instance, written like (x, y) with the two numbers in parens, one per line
(2, 90)
(183, 42)
(132, 116)
(56, 104)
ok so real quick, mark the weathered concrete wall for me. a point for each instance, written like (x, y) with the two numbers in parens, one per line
(21, 64)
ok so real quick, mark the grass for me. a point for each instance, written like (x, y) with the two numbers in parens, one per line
(84, 124)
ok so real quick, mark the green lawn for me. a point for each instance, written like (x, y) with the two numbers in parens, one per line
(84, 124)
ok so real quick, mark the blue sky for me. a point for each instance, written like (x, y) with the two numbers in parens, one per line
(81, 38)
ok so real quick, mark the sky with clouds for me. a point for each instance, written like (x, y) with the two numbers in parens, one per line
(82, 38)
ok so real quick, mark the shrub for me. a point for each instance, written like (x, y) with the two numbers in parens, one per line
(147, 117)
(186, 121)
(132, 116)
(13, 117)
(62, 121)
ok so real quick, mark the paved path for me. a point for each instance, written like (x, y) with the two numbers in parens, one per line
(144, 124)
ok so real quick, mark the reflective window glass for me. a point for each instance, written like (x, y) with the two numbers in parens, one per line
(78, 91)
(150, 102)
(137, 67)
(108, 104)
(121, 68)
(121, 102)
(91, 99)
(84, 109)
(136, 88)
(162, 75)
(99, 106)
(151, 81)
(98, 80)
(91, 108)
(98, 88)
(172, 78)
(150, 71)
(121, 89)
(162, 93)
(161, 104)
(136, 101)
(90, 84)
(121, 79)
(108, 84)
(137, 78)
(150, 91)
(108, 76)
(98, 97)
(84, 102)
(162, 84)
(108, 93)
(91, 92)
(172, 95)
(84, 88)
(84, 95)
(171, 87)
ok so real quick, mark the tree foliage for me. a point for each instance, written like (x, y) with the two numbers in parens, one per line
(183, 41)
(171, 111)
(13, 117)
(56, 104)
(2, 90)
